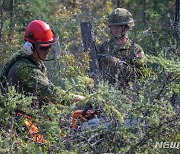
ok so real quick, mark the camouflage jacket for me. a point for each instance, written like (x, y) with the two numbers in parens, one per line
(120, 63)
(30, 77)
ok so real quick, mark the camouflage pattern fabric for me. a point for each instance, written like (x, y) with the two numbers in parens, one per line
(30, 77)
(120, 16)
(120, 64)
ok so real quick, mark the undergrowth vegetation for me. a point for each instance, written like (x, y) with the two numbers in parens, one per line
(146, 114)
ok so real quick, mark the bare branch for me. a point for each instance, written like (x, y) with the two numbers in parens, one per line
(150, 135)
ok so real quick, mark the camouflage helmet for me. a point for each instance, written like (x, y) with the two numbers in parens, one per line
(120, 16)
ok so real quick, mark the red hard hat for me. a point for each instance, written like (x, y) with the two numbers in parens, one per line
(39, 32)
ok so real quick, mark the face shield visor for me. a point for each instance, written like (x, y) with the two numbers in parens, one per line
(49, 50)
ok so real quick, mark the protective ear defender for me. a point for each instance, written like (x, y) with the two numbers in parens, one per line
(28, 48)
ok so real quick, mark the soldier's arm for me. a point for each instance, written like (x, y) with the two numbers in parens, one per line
(34, 79)
(109, 60)
(106, 58)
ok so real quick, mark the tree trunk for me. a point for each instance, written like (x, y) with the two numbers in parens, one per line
(176, 24)
(155, 3)
(89, 46)
(1, 19)
(11, 19)
(118, 3)
(144, 11)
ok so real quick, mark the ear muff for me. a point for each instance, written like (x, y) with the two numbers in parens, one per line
(28, 48)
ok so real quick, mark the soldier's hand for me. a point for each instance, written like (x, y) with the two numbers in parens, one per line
(78, 98)
(108, 59)
(122, 64)
(113, 60)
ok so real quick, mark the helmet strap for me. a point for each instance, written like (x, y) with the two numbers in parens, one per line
(37, 52)
(38, 55)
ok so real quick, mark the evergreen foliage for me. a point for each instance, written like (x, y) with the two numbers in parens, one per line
(146, 114)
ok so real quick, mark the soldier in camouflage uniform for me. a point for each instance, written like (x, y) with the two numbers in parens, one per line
(27, 72)
(120, 59)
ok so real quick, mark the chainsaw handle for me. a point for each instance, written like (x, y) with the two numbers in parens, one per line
(86, 109)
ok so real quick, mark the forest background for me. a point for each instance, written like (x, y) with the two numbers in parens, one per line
(158, 93)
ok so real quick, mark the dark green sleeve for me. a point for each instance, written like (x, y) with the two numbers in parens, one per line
(33, 78)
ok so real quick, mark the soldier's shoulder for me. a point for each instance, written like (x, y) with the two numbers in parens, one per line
(14, 60)
(24, 69)
(23, 62)
(136, 46)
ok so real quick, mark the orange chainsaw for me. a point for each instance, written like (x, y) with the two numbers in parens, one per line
(89, 118)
